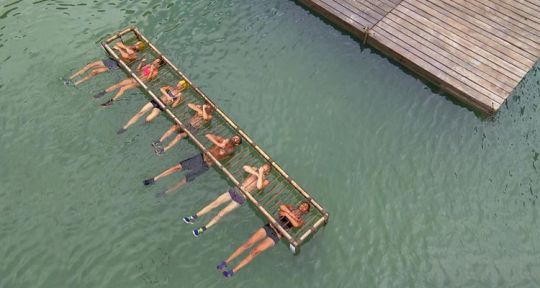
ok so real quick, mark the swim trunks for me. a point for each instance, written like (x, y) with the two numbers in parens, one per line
(195, 165)
(237, 196)
(270, 233)
(156, 105)
(111, 64)
(173, 97)
(190, 128)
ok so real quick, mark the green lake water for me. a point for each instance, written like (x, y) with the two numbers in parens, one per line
(422, 191)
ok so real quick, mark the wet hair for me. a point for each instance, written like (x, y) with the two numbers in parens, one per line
(161, 62)
(210, 109)
(269, 167)
(308, 205)
(239, 139)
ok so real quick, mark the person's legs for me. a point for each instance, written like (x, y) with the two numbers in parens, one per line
(175, 141)
(155, 112)
(117, 85)
(229, 208)
(124, 88)
(173, 188)
(168, 133)
(266, 244)
(92, 73)
(256, 237)
(222, 199)
(96, 64)
(139, 114)
(175, 168)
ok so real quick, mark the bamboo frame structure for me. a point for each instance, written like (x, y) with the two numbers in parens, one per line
(295, 242)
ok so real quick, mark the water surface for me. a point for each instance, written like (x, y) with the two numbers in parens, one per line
(422, 191)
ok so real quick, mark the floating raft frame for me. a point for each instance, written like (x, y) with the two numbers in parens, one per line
(476, 50)
(282, 189)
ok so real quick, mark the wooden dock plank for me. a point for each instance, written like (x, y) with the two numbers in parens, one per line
(443, 40)
(464, 43)
(475, 22)
(444, 66)
(477, 50)
(358, 8)
(357, 20)
(521, 9)
(502, 20)
(383, 41)
(510, 16)
(367, 7)
(479, 72)
(502, 49)
(468, 12)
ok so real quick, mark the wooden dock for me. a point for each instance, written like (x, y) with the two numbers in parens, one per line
(476, 50)
(282, 188)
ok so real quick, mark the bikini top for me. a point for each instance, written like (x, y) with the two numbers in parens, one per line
(147, 69)
(171, 94)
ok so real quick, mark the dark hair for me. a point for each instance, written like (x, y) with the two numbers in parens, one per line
(240, 141)
(307, 203)
(210, 108)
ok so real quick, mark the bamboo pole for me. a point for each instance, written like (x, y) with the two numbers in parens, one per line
(232, 124)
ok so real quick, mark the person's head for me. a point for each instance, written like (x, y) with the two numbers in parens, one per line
(304, 207)
(158, 62)
(209, 110)
(139, 46)
(236, 140)
(182, 85)
(266, 168)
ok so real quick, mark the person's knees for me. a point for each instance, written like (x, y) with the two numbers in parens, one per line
(247, 245)
(255, 252)
(221, 214)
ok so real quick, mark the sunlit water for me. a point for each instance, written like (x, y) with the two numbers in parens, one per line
(422, 191)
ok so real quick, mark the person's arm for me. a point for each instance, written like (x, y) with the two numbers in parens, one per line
(153, 74)
(120, 45)
(216, 140)
(195, 107)
(203, 110)
(293, 218)
(124, 55)
(251, 170)
(295, 221)
(178, 100)
(141, 64)
(164, 90)
(260, 179)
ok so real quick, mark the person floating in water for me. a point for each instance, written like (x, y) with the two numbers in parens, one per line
(267, 236)
(146, 73)
(199, 163)
(233, 196)
(203, 115)
(171, 96)
(128, 54)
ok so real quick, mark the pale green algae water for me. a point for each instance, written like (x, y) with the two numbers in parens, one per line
(422, 192)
